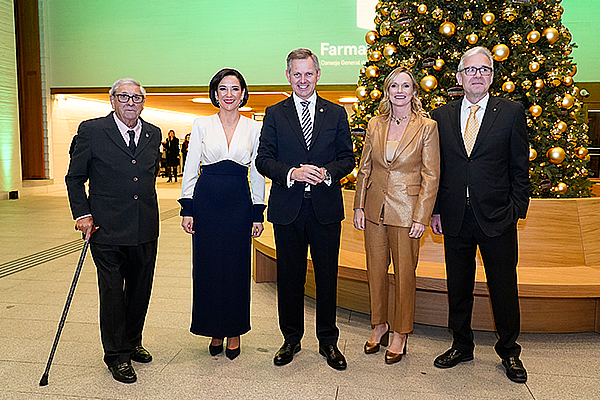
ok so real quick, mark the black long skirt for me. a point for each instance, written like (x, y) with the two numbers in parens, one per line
(222, 211)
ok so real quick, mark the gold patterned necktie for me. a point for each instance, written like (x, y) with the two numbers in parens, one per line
(471, 130)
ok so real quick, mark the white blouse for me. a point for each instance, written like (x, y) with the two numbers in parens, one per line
(208, 145)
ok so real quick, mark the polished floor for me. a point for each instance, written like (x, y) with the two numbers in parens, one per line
(39, 254)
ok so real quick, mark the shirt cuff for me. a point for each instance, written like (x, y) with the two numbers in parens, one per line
(328, 180)
(83, 216)
(186, 207)
(289, 179)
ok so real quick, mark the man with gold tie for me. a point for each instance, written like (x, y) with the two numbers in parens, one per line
(483, 192)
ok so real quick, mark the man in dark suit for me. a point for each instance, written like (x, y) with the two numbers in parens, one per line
(118, 155)
(305, 149)
(484, 190)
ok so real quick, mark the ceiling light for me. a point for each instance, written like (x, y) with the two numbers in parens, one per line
(203, 100)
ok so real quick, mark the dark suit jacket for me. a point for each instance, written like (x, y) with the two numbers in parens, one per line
(122, 195)
(282, 147)
(496, 173)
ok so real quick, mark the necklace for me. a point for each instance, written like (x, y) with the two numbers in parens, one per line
(398, 120)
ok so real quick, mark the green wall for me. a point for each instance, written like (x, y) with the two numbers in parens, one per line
(184, 42)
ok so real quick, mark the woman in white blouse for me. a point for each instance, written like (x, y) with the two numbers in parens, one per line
(222, 213)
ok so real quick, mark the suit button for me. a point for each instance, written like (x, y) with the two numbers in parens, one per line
(133, 161)
(135, 178)
(135, 196)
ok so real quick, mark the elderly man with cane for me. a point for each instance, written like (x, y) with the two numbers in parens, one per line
(118, 155)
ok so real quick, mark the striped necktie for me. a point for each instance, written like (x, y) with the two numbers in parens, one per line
(306, 123)
(471, 130)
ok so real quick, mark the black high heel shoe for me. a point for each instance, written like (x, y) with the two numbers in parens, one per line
(371, 348)
(215, 350)
(232, 353)
(392, 358)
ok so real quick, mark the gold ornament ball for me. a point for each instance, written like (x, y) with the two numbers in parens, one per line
(535, 110)
(372, 71)
(406, 38)
(551, 35)
(539, 84)
(567, 80)
(437, 13)
(556, 155)
(389, 50)
(395, 14)
(561, 126)
(468, 15)
(561, 187)
(361, 92)
(538, 15)
(500, 52)
(392, 62)
(447, 29)
(534, 66)
(508, 86)
(581, 152)
(488, 18)
(526, 84)
(384, 10)
(573, 70)
(371, 37)
(439, 64)
(422, 9)
(355, 107)
(532, 154)
(472, 38)
(376, 55)
(557, 11)
(533, 37)
(567, 101)
(375, 94)
(363, 70)
(428, 83)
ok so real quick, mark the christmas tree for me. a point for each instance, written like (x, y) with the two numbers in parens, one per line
(531, 48)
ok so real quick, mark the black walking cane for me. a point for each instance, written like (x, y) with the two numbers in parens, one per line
(63, 318)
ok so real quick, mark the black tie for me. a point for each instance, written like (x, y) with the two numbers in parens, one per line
(131, 141)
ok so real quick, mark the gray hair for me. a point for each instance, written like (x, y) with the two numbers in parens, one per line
(302, 54)
(125, 81)
(472, 52)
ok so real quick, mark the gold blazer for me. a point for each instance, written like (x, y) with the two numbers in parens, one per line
(408, 185)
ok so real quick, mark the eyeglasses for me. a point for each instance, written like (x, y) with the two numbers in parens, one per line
(124, 98)
(472, 71)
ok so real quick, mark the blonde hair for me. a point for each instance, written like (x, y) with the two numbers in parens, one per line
(385, 106)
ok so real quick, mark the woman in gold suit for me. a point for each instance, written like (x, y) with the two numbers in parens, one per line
(395, 193)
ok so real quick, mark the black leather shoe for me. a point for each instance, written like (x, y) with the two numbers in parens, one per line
(286, 353)
(335, 358)
(514, 369)
(123, 373)
(452, 357)
(141, 355)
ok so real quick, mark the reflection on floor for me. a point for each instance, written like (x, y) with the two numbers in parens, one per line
(31, 302)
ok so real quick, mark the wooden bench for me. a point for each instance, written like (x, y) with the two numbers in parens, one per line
(558, 271)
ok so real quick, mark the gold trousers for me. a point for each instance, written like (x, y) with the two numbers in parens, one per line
(393, 302)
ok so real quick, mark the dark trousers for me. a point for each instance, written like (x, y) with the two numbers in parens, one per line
(499, 256)
(292, 243)
(125, 276)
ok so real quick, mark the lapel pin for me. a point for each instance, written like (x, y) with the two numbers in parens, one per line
(320, 110)
(495, 109)
(147, 135)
